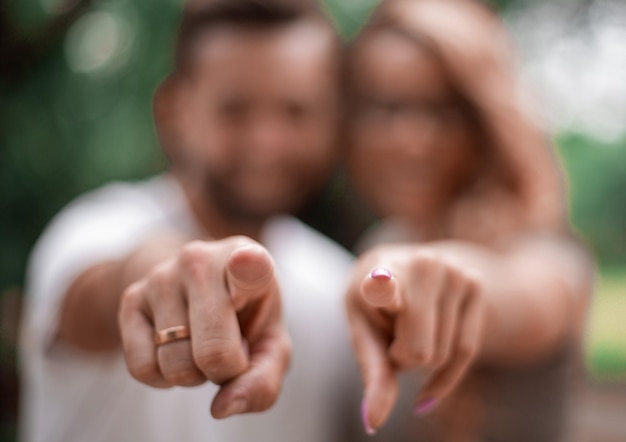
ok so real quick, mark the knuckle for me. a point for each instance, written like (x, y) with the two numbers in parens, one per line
(144, 371)
(456, 278)
(177, 364)
(195, 258)
(411, 357)
(268, 392)
(242, 240)
(183, 376)
(425, 259)
(215, 356)
(161, 277)
(161, 273)
(441, 357)
(193, 253)
(287, 347)
(466, 350)
(474, 281)
(131, 298)
(473, 292)
(426, 263)
(419, 354)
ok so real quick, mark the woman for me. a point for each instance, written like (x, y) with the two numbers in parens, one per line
(486, 291)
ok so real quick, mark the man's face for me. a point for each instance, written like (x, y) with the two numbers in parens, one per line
(259, 117)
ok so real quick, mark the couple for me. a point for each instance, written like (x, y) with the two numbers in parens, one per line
(198, 285)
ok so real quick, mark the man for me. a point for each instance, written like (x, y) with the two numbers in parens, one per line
(248, 121)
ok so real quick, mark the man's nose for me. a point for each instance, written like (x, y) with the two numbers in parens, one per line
(268, 135)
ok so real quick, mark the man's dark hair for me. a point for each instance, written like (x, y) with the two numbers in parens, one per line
(200, 16)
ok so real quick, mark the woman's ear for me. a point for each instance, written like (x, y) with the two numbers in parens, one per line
(166, 109)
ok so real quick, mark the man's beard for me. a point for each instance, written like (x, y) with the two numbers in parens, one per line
(232, 206)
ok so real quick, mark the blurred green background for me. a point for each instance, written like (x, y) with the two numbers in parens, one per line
(76, 82)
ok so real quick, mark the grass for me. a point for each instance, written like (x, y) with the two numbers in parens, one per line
(606, 335)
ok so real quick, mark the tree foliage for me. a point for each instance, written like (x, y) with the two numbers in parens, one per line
(70, 122)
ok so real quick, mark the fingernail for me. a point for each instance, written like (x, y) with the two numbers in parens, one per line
(381, 273)
(425, 406)
(236, 406)
(366, 424)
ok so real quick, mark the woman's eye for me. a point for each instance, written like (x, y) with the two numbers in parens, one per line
(376, 111)
(383, 111)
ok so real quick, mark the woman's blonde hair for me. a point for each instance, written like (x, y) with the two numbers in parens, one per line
(519, 186)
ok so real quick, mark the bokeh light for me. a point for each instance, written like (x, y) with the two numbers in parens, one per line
(99, 42)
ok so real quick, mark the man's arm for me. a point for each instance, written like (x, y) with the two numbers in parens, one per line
(89, 309)
(223, 293)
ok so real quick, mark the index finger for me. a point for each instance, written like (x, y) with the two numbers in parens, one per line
(253, 288)
(379, 378)
(215, 334)
(379, 290)
(370, 341)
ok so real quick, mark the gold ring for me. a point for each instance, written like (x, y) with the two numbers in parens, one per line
(172, 334)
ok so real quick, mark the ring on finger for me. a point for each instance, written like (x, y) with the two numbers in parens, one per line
(172, 334)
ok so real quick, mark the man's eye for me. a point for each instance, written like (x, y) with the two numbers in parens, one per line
(233, 109)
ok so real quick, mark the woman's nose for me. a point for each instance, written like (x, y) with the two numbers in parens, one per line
(414, 138)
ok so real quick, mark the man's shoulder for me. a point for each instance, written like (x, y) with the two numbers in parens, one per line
(101, 218)
(116, 202)
(120, 193)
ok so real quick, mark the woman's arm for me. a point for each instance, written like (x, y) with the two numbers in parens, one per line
(449, 305)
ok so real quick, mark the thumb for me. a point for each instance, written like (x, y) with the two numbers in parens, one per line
(259, 387)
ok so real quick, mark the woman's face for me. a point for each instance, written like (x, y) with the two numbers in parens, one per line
(411, 142)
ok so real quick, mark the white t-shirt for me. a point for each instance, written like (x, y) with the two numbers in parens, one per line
(72, 396)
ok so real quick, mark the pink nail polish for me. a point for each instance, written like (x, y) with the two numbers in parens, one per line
(366, 424)
(381, 273)
(425, 406)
